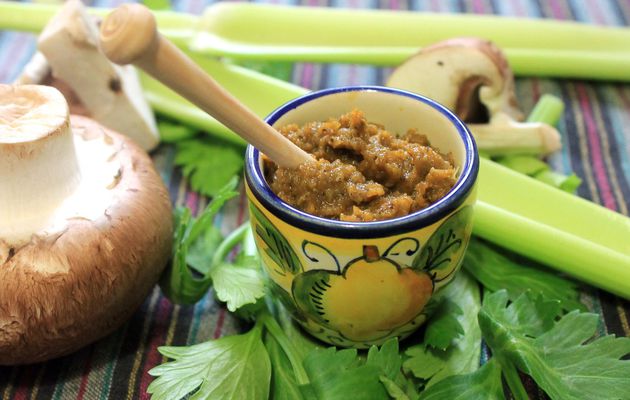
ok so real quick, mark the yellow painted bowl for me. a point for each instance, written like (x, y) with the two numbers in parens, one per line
(355, 284)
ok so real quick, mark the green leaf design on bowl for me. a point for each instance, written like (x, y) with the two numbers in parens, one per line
(442, 252)
(277, 246)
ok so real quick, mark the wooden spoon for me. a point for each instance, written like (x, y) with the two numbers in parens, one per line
(129, 36)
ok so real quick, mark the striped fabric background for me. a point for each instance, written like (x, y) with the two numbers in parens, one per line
(596, 135)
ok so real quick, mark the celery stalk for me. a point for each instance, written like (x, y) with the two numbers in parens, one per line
(284, 33)
(348, 28)
(527, 165)
(586, 260)
(244, 84)
(171, 132)
(533, 47)
(567, 183)
(535, 200)
(32, 17)
(556, 228)
(548, 109)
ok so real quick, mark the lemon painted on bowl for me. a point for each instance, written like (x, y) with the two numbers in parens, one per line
(356, 284)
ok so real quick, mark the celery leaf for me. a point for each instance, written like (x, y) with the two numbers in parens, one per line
(462, 356)
(208, 164)
(444, 326)
(238, 284)
(496, 270)
(284, 385)
(179, 282)
(387, 357)
(483, 384)
(341, 374)
(230, 368)
(560, 356)
(201, 250)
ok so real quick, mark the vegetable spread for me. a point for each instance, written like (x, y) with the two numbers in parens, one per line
(363, 172)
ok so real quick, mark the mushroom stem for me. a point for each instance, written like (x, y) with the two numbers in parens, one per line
(504, 135)
(38, 162)
(35, 71)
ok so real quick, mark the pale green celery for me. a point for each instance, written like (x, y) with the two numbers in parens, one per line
(560, 230)
(580, 64)
(284, 33)
(568, 183)
(548, 109)
(157, 4)
(245, 84)
(32, 17)
(527, 165)
(539, 170)
(174, 132)
(533, 47)
(269, 24)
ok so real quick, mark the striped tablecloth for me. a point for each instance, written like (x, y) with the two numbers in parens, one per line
(595, 132)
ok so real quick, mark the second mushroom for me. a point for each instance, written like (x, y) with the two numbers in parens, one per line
(471, 77)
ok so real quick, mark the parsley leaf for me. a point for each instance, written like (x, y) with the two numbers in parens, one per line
(483, 384)
(528, 315)
(559, 356)
(202, 250)
(341, 375)
(284, 386)
(444, 326)
(178, 282)
(239, 283)
(208, 164)
(495, 270)
(462, 356)
(233, 367)
(395, 391)
(387, 358)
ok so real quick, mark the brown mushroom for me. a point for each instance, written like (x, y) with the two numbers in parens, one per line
(472, 77)
(85, 227)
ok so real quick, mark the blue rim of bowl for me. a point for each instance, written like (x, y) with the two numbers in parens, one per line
(364, 230)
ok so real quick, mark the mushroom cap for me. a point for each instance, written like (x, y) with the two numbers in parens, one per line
(463, 74)
(67, 288)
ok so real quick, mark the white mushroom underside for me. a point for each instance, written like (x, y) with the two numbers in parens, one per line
(49, 174)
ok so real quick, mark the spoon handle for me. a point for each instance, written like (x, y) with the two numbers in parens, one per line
(129, 36)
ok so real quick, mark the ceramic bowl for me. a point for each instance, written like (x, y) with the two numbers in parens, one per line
(355, 284)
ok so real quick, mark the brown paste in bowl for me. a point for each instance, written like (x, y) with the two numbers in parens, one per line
(363, 172)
